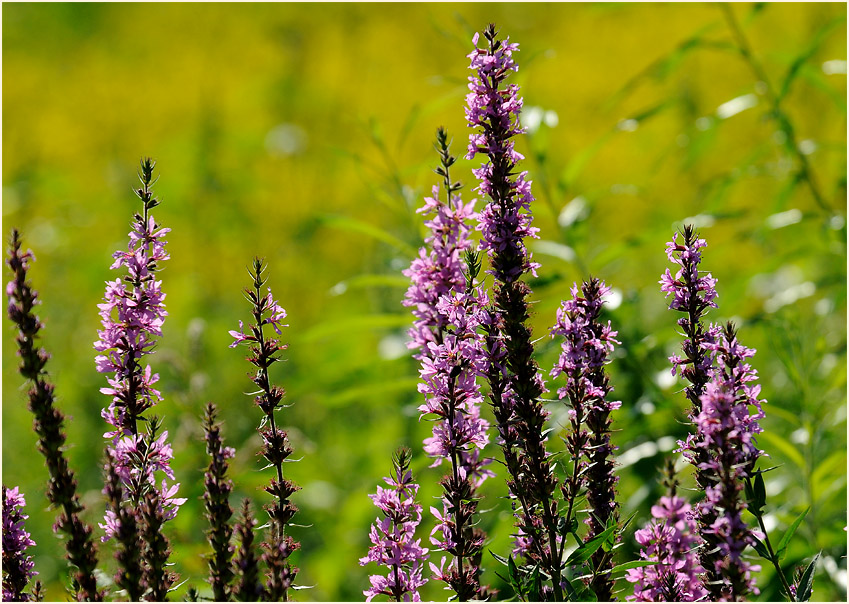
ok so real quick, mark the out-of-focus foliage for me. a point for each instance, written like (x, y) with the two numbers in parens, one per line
(303, 133)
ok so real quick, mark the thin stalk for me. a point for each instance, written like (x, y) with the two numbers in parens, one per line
(780, 116)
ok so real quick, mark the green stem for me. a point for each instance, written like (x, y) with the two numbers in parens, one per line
(780, 116)
(774, 559)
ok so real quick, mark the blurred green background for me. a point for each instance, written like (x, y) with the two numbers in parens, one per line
(303, 133)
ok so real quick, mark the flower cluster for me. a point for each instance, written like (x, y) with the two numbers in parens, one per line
(692, 293)
(438, 270)
(726, 427)
(492, 109)
(216, 498)
(132, 314)
(669, 541)
(586, 348)
(506, 221)
(275, 442)
(449, 372)
(49, 424)
(17, 565)
(393, 536)
(453, 396)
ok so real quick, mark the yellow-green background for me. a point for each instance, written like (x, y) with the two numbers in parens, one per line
(303, 133)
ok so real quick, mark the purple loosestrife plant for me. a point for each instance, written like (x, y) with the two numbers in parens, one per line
(726, 427)
(438, 270)
(586, 348)
(448, 313)
(453, 397)
(693, 293)
(122, 523)
(248, 586)
(216, 497)
(132, 314)
(49, 424)
(17, 565)
(492, 108)
(670, 542)
(393, 537)
(275, 448)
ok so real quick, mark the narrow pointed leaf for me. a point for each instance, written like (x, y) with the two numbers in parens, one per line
(785, 540)
(585, 551)
(806, 584)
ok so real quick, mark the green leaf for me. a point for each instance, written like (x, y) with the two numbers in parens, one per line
(535, 591)
(759, 546)
(351, 324)
(785, 540)
(806, 583)
(632, 564)
(346, 223)
(370, 280)
(585, 551)
(501, 559)
(788, 449)
(582, 592)
(513, 573)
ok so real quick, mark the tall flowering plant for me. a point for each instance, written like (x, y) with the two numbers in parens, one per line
(587, 344)
(726, 427)
(17, 564)
(132, 315)
(49, 424)
(275, 442)
(449, 311)
(670, 542)
(393, 537)
(492, 109)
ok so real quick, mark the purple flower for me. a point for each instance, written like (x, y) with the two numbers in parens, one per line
(585, 350)
(438, 269)
(17, 565)
(393, 537)
(264, 352)
(506, 221)
(670, 540)
(725, 453)
(692, 293)
(132, 315)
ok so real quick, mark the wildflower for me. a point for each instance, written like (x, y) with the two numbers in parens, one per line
(17, 565)
(248, 587)
(492, 108)
(48, 422)
(275, 443)
(670, 540)
(132, 315)
(393, 537)
(726, 427)
(586, 347)
(693, 292)
(218, 511)
(438, 270)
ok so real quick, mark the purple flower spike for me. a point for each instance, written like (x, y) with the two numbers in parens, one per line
(494, 108)
(670, 540)
(438, 270)
(17, 565)
(585, 350)
(393, 537)
(724, 448)
(450, 312)
(132, 315)
(693, 292)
